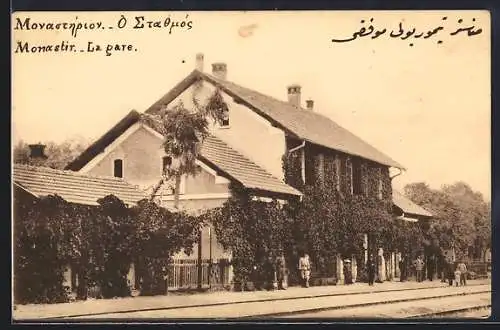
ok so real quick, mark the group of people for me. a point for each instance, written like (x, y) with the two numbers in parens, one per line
(274, 271)
(457, 276)
(305, 270)
(449, 273)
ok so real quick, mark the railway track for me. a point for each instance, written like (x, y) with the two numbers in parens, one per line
(222, 301)
(418, 307)
(415, 303)
(477, 312)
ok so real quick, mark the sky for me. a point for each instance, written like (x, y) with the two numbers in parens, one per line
(426, 105)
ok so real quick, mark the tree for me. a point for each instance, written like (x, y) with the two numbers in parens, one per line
(184, 132)
(58, 154)
(461, 216)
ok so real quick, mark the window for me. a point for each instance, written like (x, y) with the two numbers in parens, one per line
(357, 174)
(321, 168)
(337, 172)
(364, 178)
(118, 168)
(225, 118)
(166, 163)
(380, 184)
(349, 174)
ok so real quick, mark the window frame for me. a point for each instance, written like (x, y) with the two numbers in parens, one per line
(113, 167)
(357, 177)
(321, 168)
(226, 118)
(380, 184)
(349, 173)
(338, 170)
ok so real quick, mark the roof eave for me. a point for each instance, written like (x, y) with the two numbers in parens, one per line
(393, 164)
(261, 192)
(427, 215)
(23, 188)
(274, 194)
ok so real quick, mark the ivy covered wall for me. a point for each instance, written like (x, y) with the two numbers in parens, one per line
(99, 242)
(344, 198)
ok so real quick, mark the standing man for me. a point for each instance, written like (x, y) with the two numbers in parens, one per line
(419, 267)
(463, 273)
(371, 270)
(305, 269)
(450, 272)
(402, 268)
(281, 276)
(269, 271)
(347, 271)
(443, 268)
(430, 267)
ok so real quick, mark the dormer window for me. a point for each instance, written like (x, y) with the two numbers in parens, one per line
(118, 168)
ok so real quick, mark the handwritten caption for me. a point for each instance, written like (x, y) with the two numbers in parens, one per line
(73, 28)
(412, 34)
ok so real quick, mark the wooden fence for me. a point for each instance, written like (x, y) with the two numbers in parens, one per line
(183, 274)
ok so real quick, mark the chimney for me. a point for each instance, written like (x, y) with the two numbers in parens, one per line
(37, 152)
(199, 62)
(294, 95)
(219, 70)
(310, 104)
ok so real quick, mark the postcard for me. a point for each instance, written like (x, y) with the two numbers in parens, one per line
(251, 165)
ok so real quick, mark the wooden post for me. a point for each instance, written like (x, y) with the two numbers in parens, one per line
(210, 257)
(200, 270)
(365, 248)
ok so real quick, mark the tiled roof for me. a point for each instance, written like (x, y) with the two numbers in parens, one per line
(241, 168)
(407, 206)
(214, 151)
(72, 186)
(232, 163)
(305, 124)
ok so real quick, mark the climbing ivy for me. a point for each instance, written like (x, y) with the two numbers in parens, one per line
(327, 222)
(253, 231)
(331, 221)
(99, 242)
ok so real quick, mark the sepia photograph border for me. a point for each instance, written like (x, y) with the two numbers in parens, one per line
(185, 5)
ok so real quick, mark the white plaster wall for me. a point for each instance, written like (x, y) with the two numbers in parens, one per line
(248, 133)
